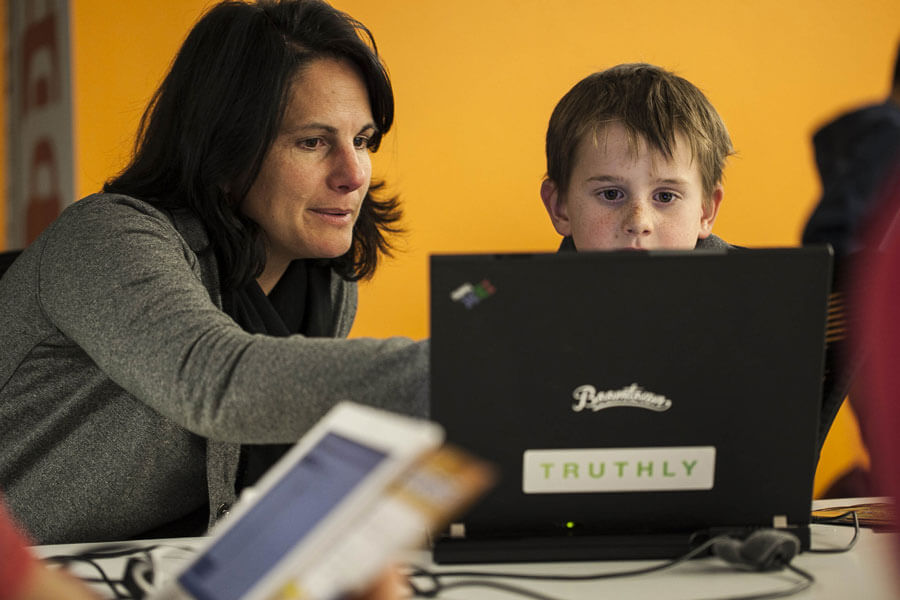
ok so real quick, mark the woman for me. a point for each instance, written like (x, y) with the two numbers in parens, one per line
(158, 339)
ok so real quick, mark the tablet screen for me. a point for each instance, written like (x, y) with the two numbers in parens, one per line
(281, 517)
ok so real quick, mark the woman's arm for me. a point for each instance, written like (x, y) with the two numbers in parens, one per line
(117, 278)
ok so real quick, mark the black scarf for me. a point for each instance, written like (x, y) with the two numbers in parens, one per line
(299, 303)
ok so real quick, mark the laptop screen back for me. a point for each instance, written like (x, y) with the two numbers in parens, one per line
(633, 392)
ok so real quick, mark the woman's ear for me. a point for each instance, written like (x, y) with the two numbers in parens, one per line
(555, 205)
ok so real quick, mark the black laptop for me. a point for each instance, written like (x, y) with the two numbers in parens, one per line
(635, 403)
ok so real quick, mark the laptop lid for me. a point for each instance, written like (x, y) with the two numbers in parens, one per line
(626, 393)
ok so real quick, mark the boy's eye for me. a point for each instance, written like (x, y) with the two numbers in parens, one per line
(611, 194)
(665, 197)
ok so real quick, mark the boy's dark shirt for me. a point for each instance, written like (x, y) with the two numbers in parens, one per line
(713, 242)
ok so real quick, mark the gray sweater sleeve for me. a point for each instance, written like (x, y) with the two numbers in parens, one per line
(120, 281)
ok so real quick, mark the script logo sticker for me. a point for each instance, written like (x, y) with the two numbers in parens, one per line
(587, 397)
(470, 295)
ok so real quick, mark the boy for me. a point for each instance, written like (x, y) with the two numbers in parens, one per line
(634, 161)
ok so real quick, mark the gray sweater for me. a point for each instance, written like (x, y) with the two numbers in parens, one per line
(125, 391)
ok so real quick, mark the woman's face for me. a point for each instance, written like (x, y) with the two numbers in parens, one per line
(315, 175)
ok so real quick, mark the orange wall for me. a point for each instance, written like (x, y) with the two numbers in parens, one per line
(475, 82)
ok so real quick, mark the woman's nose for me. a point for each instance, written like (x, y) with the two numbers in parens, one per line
(349, 171)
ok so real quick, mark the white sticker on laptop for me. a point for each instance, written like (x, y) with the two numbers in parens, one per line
(618, 469)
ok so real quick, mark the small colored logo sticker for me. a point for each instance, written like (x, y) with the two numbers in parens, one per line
(471, 295)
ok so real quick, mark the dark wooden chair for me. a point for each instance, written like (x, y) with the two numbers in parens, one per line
(842, 363)
(838, 373)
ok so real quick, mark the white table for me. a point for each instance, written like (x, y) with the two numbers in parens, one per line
(865, 573)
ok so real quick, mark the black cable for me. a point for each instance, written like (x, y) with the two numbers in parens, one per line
(106, 552)
(819, 520)
(504, 587)
(418, 571)
(800, 586)
(829, 520)
(836, 520)
(65, 561)
(437, 586)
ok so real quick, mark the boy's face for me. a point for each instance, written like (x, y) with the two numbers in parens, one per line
(619, 199)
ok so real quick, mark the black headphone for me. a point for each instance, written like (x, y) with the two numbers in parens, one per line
(763, 550)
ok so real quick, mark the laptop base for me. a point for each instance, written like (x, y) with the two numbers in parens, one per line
(557, 548)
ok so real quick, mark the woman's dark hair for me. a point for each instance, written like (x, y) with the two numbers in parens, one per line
(204, 135)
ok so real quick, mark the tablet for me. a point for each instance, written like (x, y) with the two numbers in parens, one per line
(313, 510)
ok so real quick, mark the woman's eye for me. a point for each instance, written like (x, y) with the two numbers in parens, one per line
(362, 141)
(310, 143)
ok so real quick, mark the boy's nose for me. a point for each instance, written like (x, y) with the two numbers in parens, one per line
(637, 221)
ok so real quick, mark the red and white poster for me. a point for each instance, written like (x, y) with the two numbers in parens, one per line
(41, 155)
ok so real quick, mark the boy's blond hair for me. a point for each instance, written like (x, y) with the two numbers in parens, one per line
(652, 104)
